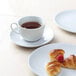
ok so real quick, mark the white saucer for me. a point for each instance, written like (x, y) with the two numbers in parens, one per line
(47, 37)
(67, 20)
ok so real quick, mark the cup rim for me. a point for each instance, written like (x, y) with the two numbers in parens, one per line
(41, 19)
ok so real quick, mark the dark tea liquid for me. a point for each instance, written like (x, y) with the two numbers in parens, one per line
(31, 25)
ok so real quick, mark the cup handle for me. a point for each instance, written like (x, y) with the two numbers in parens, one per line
(13, 29)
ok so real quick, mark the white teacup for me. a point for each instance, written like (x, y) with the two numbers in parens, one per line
(29, 34)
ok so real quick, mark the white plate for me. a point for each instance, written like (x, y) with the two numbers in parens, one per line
(39, 58)
(67, 20)
(47, 37)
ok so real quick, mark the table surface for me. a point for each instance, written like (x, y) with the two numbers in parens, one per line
(13, 59)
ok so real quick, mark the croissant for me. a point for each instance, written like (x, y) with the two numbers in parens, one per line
(57, 55)
(70, 62)
(53, 68)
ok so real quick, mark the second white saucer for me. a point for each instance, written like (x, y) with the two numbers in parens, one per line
(66, 20)
(47, 37)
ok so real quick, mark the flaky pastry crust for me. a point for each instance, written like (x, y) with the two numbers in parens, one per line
(70, 62)
(53, 68)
